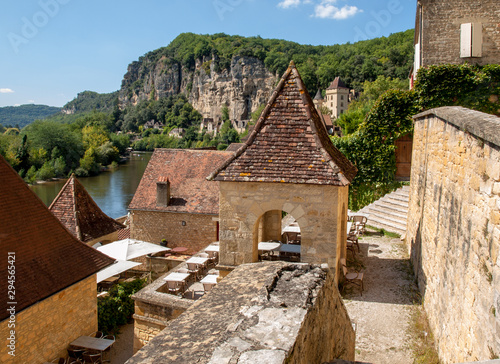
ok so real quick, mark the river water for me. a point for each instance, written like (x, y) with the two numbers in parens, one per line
(111, 190)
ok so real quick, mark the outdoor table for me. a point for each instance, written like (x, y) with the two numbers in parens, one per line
(179, 249)
(290, 248)
(268, 246)
(209, 281)
(291, 229)
(93, 343)
(211, 278)
(176, 277)
(197, 260)
(212, 248)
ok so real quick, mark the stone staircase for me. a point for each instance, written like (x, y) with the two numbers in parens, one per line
(390, 212)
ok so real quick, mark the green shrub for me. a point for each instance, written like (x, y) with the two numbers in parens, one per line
(117, 308)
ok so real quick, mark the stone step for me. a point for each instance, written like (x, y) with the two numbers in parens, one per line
(400, 216)
(390, 212)
(389, 206)
(389, 225)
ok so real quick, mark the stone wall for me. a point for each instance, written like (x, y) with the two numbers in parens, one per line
(453, 229)
(154, 307)
(273, 312)
(320, 210)
(198, 232)
(441, 30)
(45, 329)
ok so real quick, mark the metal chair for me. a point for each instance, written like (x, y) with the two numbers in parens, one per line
(355, 278)
(75, 353)
(92, 357)
(97, 334)
(108, 350)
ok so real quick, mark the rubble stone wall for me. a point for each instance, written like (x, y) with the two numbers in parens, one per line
(453, 229)
(198, 232)
(441, 30)
(272, 312)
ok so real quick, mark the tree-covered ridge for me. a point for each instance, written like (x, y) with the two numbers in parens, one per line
(355, 63)
(25, 114)
(88, 101)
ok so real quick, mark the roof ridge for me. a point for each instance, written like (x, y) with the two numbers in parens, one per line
(258, 124)
(303, 109)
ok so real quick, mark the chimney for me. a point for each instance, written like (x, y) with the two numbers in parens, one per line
(162, 192)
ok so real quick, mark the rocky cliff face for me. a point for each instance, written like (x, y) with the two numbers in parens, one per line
(242, 88)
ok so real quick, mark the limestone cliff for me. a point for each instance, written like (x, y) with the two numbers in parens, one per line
(242, 86)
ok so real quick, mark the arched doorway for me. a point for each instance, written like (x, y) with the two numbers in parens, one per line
(276, 236)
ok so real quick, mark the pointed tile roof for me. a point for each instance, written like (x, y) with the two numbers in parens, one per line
(48, 258)
(288, 144)
(337, 83)
(79, 213)
(318, 95)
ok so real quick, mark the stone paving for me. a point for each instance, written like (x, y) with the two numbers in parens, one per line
(381, 315)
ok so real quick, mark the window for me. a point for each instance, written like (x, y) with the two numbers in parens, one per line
(471, 40)
(341, 104)
(341, 97)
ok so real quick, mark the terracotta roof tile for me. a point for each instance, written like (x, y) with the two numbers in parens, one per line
(337, 83)
(186, 170)
(48, 258)
(76, 209)
(289, 143)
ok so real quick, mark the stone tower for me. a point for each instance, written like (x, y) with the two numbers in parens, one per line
(337, 97)
(288, 164)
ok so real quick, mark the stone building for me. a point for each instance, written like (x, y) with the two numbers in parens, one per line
(78, 212)
(49, 283)
(287, 165)
(453, 229)
(174, 201)
(337, 97)
(456, 32)
(210, 126)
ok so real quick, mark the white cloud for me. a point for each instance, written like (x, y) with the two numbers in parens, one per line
(326, 10)
(285, 4)
(6, 91)
(31, 101)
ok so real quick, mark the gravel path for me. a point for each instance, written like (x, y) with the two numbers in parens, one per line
(381, 315)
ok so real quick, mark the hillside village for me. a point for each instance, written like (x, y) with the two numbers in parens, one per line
(252, 254)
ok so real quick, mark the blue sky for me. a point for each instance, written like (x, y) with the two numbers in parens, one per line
(52, 49)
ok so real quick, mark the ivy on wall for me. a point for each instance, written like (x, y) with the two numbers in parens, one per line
(372, 150)
(474, 87)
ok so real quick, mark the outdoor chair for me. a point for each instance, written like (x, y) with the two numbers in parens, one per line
(59, 361)
(359, 223)
(173, 287)
(97, 334)
(193, 269)
(75, 353)
(108, 350)
(350, 247)
(92, 357)
(212, 257)
(352, 239)
(355, 278)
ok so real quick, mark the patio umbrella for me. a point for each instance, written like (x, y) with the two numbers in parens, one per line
(114, 269)
(128, 249)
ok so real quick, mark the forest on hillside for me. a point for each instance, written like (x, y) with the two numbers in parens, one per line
(20, 116)
(355, 63)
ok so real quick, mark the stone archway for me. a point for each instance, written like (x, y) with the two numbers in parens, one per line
(319, 211)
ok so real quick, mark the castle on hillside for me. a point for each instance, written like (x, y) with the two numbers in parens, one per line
(337, 98)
